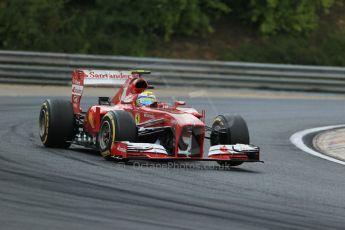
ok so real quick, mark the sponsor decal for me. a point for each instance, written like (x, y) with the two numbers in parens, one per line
(121, 149)
(100, 77)
(149, 115)
(242, 147)
(107, 75)
(77, 90)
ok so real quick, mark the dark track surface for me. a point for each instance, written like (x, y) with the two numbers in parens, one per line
(44, 188)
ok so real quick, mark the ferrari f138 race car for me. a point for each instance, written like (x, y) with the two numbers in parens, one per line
(133, 125)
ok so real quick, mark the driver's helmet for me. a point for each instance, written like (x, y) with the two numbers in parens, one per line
(146, 98)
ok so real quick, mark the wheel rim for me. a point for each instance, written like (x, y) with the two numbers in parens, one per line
(42, 122)
(105, 135)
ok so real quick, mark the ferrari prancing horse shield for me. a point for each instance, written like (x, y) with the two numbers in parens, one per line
(137, 118)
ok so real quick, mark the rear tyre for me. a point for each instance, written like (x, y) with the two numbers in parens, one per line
(116, 125)
(56, 123)
(229, 129)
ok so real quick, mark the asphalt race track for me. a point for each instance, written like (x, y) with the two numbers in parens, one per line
(44, 188)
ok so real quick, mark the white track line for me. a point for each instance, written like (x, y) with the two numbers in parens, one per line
(297, 139)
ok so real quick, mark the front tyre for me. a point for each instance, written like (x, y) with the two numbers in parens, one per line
(56, 123)
(229, 129)
(116, 125)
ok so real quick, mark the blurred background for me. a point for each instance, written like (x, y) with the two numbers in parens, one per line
(308, 32)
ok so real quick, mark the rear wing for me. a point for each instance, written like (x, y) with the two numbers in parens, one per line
(81, 78)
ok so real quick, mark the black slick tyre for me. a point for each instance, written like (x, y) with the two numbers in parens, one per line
(116, 125)
(229, 129)
(56, 123)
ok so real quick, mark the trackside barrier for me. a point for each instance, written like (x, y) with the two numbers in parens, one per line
(55, 69)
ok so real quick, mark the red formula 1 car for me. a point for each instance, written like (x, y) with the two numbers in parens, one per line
(132, 127)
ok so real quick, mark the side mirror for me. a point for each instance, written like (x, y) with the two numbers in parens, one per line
(178, 103)
(104, 101)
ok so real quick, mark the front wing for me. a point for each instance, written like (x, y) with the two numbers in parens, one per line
(146, 151)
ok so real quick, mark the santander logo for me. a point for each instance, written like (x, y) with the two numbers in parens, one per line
(107, 75)
(121, 149)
